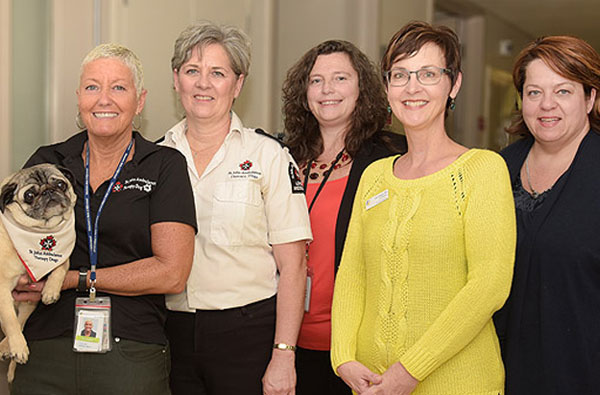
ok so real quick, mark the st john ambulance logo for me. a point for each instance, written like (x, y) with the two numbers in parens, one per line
(48, 243)
(246, 165)
(118, 187)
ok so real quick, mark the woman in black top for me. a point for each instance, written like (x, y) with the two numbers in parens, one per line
(549, 328)
(145, 241)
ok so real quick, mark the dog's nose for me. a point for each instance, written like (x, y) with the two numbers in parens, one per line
(49, 191)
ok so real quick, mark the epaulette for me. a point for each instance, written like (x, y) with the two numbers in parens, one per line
(263, 133)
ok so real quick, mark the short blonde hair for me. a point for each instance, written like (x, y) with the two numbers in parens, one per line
(125, 55)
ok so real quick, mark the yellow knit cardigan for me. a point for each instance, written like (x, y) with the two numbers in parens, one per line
(425, 265)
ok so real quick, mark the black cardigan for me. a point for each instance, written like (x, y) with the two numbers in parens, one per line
(550, 326)
(373, 149)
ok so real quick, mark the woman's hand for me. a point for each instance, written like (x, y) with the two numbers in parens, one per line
(395, 381)
(27, 291)
(358, 376)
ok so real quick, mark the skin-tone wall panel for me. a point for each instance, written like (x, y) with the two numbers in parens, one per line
(29, 78)
(304, 24)
(396, 13)
(134, 24)
(5, 86)
(5, 130)
(71, 37)
(256, 18)
(150, 28)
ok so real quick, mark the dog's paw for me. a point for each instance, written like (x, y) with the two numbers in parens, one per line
(50, 296)
(19, 352)
(4, 349)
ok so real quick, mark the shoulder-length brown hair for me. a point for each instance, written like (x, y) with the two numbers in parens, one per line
(302, 131)
(568, 56)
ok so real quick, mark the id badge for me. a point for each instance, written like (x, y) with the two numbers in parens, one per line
(308, 290)
(92, 325)
(307, 298)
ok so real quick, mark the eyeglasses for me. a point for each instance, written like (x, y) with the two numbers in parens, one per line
(426, 76)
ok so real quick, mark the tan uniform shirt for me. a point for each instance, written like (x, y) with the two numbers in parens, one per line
(247, 199)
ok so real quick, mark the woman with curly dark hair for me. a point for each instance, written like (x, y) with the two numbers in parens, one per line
(335, 106)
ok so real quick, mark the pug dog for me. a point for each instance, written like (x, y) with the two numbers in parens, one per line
(37, 236)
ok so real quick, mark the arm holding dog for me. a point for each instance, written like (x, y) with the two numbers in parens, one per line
(165, 272)
(172, 241)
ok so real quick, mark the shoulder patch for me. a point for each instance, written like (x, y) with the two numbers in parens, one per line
(295, 179)
(263, 133)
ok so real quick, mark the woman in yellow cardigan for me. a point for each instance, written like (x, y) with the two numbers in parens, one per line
(430, 248)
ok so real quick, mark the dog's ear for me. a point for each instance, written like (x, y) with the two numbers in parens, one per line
(7, 195)
(67, 173)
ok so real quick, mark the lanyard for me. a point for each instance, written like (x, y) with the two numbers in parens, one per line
(325, 177)
(93, 235)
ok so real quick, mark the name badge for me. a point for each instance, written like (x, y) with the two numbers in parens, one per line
(375, 200)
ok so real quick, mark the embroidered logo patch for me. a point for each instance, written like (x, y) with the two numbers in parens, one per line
(295, 179)
(118, 187)
(48, 243)
(246, 165)
(138, 184)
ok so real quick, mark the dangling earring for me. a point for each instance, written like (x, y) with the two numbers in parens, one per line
(452, 105)
(78, 122)
(139, 123)
(389, 116)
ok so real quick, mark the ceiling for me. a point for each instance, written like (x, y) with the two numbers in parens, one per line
(546, 17)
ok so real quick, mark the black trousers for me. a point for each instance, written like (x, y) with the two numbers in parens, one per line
(130, 368)
(315, 375)
(221, 352)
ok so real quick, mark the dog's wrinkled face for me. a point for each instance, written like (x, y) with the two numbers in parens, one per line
(40, 196)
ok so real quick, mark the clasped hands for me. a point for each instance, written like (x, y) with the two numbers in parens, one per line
(396, 380)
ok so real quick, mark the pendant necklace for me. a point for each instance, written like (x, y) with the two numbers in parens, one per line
(534, 193)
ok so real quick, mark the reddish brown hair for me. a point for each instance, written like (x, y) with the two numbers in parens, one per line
(568, 56)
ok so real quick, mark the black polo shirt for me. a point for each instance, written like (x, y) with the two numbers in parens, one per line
(153, 187)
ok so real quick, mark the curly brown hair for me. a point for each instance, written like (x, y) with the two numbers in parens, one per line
(302, 133)
(570, 57)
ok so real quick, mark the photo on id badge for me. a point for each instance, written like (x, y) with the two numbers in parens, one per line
(88, 334)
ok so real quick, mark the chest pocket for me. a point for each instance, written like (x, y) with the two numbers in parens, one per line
(237, 209)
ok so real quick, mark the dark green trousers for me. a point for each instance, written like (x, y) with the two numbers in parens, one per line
(130, 368)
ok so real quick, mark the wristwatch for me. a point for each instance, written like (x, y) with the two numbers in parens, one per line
(82, 283)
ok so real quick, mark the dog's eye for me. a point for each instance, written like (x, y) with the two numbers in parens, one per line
(61, 185)
(29, 196)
